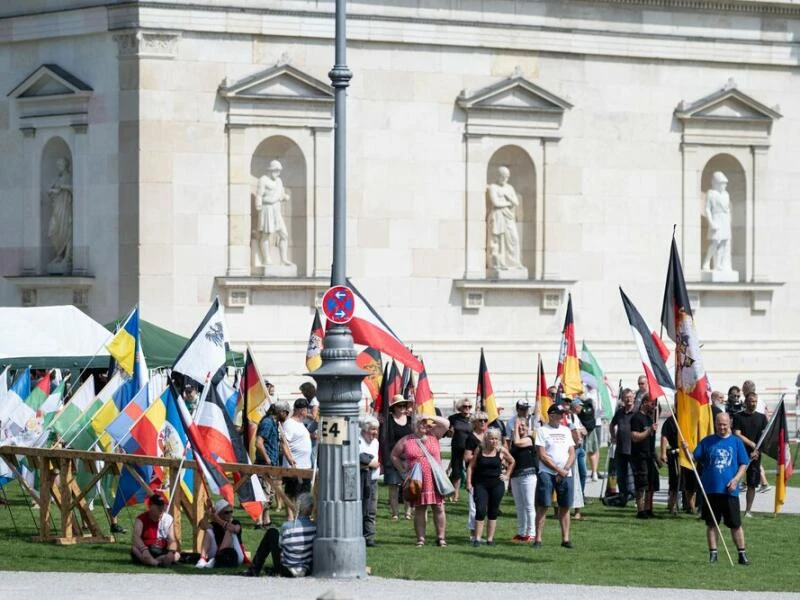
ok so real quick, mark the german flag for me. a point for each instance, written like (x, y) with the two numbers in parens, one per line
(542, 397)
(314, 350)
(254, 401)
(484, 395)
(569, 367)
(370, 360)
(691, 398)
(775, 443)
(423, 399)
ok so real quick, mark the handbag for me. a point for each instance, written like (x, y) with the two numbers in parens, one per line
(440, 479)
(412, 485)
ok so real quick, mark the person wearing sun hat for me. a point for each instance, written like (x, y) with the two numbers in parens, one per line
(222, 543)
(397, 426)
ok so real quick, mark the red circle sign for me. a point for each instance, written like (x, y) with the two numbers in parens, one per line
(338, 304)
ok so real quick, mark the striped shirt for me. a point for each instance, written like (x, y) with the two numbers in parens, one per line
(297, 539)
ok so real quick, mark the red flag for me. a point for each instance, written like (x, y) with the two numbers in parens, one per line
(658, 379)
(484, 395)
(569, 367)
(369, 329)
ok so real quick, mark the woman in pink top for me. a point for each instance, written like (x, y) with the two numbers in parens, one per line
(408, 452)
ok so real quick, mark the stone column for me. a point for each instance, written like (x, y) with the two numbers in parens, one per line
(31, 204)
(691, 244)
(757, 253)
(80, 201)
(239, 204)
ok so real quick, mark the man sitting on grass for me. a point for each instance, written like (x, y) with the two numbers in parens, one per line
(291, 548)
(154, 542)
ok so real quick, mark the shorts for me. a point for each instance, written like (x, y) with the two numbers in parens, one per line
(753, 474)
(591, 443)
(673, 471)
(725, 508)
(546, 484)
(294, 486)
(645, 473)
(391, 476)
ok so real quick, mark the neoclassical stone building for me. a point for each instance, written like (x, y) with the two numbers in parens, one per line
(501, 154)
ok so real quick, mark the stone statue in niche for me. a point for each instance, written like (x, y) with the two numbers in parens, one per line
(717, 259)
(59, 229)
(271, 229)
(503, 243)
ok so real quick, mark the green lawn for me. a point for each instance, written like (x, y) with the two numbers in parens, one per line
(667, 551)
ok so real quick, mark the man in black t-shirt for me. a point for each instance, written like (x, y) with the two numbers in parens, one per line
(643, 458)
(670, 451)
(620, 430)
(749, 425)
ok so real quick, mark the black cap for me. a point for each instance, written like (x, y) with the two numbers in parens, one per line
(300, 403)
(555, 409)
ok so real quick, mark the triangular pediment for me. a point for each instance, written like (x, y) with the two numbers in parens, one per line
(514, 94)
(281, 82)
(50, 81)
(728, 103)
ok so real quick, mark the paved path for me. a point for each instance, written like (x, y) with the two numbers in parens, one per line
(762, 502)
(102, 586)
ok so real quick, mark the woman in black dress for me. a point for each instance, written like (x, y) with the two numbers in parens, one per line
(396, 427)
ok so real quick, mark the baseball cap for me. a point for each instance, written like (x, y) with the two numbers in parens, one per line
(300, 403)
(523, 404)
(554, 409)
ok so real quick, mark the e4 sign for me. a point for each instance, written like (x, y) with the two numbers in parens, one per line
(335, 431)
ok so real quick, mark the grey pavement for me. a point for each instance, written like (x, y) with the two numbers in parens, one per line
(102, 586)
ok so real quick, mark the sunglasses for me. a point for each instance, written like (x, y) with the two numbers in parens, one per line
(226, 512)
(483, 420)
(466, 406)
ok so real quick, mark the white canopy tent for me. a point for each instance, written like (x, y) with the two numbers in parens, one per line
(51, 337)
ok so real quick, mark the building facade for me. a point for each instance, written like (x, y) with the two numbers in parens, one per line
(501, 155)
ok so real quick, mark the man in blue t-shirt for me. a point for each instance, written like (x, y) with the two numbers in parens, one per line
(723, 459)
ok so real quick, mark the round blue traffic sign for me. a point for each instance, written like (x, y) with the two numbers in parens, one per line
(338, 304)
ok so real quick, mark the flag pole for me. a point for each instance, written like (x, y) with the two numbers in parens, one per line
(186, 448)
(700, 484)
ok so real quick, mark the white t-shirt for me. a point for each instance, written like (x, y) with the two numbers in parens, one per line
(163, 526)
(372, 450)
(556, 441)
(299, 441)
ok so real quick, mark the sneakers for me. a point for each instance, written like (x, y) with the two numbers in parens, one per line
(205, 564)
(713, 556)
(748, 515)
(743, 558)
(567, 544)
(595, 477)
(475, 543)
(517, 539)
(642, 514)
(490, 543)
(117, 528)
(764, 488)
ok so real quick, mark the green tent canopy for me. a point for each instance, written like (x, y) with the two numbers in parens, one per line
(161, 347)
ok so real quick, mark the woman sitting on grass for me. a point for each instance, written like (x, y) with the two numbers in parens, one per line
(487, 482)
(409, 450)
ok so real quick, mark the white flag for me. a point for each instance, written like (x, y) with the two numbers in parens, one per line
(204, 354)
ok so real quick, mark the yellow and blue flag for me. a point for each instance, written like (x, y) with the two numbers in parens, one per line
(124, 344)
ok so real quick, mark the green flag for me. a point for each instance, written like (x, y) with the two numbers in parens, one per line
(592, 375)
(81, 435)
(78, 403)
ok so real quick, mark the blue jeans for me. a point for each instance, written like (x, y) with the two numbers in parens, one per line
(580, 459)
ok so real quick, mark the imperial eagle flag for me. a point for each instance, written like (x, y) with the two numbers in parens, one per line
(204, 354)
(315, 344)
(692, 408)
(658, 378)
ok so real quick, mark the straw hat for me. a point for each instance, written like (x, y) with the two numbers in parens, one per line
(398, 399)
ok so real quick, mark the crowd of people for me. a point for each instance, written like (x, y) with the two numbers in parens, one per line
(543, 464)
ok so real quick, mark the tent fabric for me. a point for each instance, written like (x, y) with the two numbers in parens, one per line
(57, 337)
(161, 346)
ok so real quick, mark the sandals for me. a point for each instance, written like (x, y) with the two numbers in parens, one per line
(420, 542)
(441, 542)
